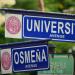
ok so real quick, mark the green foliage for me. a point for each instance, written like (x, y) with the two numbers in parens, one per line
(26, 4)
(58, 5)
(62, 46)
(50, 5)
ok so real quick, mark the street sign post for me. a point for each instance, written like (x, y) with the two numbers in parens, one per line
(24, 56)
(39, 25)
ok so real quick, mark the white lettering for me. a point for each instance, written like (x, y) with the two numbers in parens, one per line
(47, 26)
(36, 25)
(43, 56)
(38, 55)
(67, 26)
(27, 56)
(31, 25)
(73, 24)
(21, 57)
(33, 56)
(16, 58)
(50, 26)
(42, 26)
(53, 26)
(60, 27)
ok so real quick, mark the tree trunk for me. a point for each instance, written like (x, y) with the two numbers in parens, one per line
(41, 5)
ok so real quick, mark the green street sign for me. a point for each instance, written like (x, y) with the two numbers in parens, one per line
(59, 64)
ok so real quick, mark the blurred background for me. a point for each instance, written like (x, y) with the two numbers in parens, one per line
(62, 6)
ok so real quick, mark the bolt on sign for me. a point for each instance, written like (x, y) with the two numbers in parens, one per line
(18, 57)
(59, 65)
(26, 24)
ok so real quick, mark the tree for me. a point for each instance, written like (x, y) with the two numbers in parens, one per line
(41, 5)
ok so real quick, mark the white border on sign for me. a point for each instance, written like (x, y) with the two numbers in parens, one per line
(45, 38)
(31, 69)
